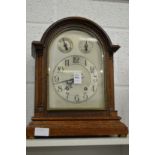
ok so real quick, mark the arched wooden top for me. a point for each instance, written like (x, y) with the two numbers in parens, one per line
(75, 22)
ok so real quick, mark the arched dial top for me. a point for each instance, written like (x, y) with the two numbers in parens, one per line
(76, 71)
(73, 23)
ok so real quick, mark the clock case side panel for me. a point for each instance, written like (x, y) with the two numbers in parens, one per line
(37, 53)
(79, 121)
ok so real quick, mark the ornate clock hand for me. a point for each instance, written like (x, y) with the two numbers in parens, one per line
(70, 80)
(86, 46)
(65, 45)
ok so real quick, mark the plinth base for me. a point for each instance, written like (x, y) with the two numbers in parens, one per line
(79, 128)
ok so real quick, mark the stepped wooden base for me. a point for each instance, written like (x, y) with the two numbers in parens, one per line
(79, 128)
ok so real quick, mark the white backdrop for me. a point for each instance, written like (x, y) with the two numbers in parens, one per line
(112, 16)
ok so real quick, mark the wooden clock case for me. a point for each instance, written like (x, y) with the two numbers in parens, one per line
(74, 123)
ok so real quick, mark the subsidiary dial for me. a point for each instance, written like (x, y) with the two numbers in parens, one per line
(65, 45)
(85, 46)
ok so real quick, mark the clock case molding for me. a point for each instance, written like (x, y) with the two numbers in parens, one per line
(73, 123)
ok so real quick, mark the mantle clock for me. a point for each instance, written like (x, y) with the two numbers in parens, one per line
(74, 82)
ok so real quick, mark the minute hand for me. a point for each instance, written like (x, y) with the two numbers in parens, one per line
(67, 81)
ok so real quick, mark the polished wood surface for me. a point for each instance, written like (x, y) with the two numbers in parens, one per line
(74, 122)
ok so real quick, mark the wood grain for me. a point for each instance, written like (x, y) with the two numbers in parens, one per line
(75, 122)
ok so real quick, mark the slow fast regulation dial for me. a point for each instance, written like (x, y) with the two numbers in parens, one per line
(65, 45)
(85, 46)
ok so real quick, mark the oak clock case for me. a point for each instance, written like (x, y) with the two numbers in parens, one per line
(74, 83)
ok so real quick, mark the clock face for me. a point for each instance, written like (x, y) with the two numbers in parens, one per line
(75, 72)
(75, 79)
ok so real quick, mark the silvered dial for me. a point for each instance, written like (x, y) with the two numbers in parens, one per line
(75, 79)
(85, 46)
(65, 45)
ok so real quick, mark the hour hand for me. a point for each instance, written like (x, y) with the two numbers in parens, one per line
(69, 81)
